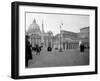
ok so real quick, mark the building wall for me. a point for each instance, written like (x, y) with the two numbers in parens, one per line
(84, 32)
(67, 40)
(84, 36)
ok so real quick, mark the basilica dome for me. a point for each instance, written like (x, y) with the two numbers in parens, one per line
(34, 28)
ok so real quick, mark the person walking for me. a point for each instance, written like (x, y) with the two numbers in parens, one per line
(28, 55)
(82, 47)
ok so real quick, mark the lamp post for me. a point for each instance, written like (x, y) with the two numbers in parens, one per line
(60, 50)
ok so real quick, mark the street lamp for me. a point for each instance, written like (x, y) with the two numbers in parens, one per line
(60, 50)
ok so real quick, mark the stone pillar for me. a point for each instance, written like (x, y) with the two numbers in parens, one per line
(72, 45)
(68, 45)
(65, 45)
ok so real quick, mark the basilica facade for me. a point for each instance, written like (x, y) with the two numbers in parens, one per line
(39, 37)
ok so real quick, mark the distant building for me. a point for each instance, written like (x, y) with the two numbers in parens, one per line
(68, 40)
(84, 32)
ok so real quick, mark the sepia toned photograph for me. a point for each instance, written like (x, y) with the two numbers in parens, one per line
(55, 40)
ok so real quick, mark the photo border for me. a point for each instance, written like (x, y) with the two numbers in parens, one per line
(15, 39)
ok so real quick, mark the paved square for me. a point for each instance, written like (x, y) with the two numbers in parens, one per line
(55, 58)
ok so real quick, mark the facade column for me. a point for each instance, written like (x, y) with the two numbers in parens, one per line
(67, 45)
(71, 45)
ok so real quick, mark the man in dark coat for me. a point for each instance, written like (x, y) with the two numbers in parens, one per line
(82, 47)
(28, 55)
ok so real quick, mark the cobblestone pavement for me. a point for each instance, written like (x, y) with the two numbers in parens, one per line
(56, 58)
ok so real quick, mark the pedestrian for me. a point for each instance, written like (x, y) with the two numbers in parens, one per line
(28, 55)
(82, 47)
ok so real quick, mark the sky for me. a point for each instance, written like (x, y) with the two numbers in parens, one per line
(52, 22)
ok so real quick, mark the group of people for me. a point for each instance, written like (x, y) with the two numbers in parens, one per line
(29, 50)
(38, 49)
